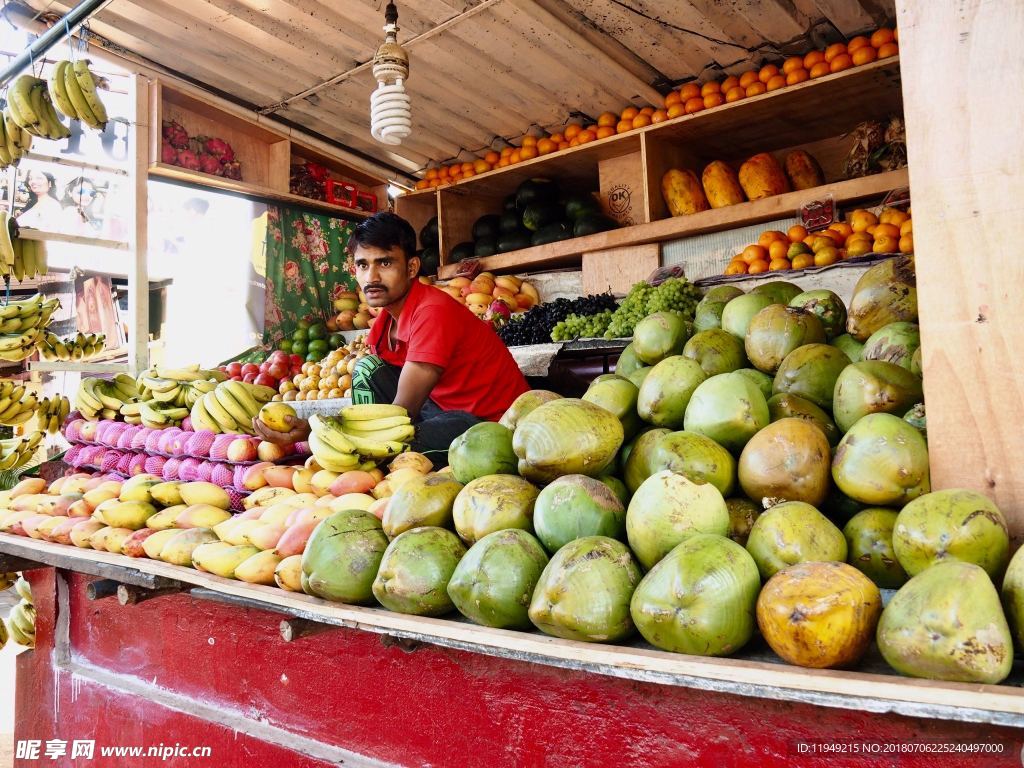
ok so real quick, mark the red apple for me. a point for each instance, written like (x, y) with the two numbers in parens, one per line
(242, 449)
(264, 380)
(249, 378)
(296, 361)
(236, 378)
(233, 369)
(277, 370)
(279, 356)
(250, 368)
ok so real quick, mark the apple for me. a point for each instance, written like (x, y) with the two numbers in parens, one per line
(278, 356)
(233, 369)
(236, 378)
(242, 449)
(250, 378)
(250, 368)
(277, 370)
(264, 380)
(295, 361)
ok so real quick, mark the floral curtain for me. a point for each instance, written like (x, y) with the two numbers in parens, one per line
(307, 267)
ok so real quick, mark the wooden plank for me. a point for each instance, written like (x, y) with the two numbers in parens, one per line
(27, 233)
(137, 212)
(458, 211)
(417, 210)
(280, 161)
(617, 269)
(623, 189)
(568, 252)
(851, 689)
(966, 154)
(660, 156)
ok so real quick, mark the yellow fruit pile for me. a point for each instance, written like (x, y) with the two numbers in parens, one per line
(331, 377)
(862, 232)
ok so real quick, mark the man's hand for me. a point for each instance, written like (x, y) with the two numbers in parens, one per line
(298, 431)
(415, 383)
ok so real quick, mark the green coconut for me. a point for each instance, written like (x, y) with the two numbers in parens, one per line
(870, 549)
(342, 556)
(422, 500)
(638, 466)
(666, 392)
(828, 307)
(947, 623)
(740, 311)
(716, 350)
(742, 514)
(776, 331)
(780, 291)
(525, 404)
(494, 503)
(628, 362)
(873, 386)
(728, 408)
(494, 581)
(853, 348)
(697, 457)
(617, 487)
(917, 363)
(660, 335)
(415, 570)
(1013, 596)
(894, 343)
(639, 376)
(618, 396)
(952, 524)
(575, 506)
(917, 418)
(886, 293)
(667, 509)
(793, 532)
(785, 406)
(760, 379)
(566, 437)
(811, 372)
(724, 293)
(483, 449)
(708, 315)
(699, 599)
(584, 591)
(787, 460)
(881, 461)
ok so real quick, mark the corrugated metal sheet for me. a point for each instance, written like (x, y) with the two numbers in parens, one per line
(482, 70)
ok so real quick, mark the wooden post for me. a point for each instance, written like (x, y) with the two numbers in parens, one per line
(967, 182)
(138, 215)
(129, 595)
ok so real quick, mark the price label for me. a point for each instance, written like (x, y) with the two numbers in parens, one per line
(818, 214)
(468, 268)
(661, 274)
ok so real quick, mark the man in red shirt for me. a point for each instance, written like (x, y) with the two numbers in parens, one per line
(431, 355)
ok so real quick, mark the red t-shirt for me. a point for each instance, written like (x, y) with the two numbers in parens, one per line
(480, 376)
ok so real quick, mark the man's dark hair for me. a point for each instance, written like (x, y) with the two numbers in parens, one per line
(385, 230)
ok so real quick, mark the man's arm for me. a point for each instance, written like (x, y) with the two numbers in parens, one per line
(415, 384)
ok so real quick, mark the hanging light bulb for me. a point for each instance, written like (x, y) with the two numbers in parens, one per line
(390, 115)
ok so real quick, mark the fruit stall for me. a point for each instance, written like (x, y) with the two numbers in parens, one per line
(735, 260)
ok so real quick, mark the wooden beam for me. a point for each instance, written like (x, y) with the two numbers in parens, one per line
(137, 213)
(966, 158)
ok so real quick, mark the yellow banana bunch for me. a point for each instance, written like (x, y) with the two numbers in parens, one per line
(52, 412)
(364, 433)
(101, 399)
(18, 406)
(72, 87)
(230, 407)
(22, 323)
(31, 107)
(15, 141)
(22, 623)
(17, 452)
(78, 347)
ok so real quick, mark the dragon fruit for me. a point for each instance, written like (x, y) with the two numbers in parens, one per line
(210, 164)
(233, 170)
(188, 159)
(220, 149)
(168, 154)
(175, 134)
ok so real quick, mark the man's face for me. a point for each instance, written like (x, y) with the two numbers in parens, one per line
(384, 276)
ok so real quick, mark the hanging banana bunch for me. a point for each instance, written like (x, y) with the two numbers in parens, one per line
(23, 324)
(17, 404)
(31, 107)
(72, 88)
(74, 348)
(52, 413)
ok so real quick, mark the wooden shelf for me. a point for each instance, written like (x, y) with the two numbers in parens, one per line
(568, 252)
(26, 233)
(56, 366)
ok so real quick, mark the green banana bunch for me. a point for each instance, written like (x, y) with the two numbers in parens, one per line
(17, 452)
(52, 412)
(72, 87)
(77, 347)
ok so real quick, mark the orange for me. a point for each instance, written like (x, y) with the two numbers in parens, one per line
(673, 97)
(758, 267)
(516, 156)
(886, 244)
(797, 76)
(826, 257)
(858, 248)
(435, 183)
(812, 58)
(659, 116)
(587, 136)
(819, 69)
(504, 163)
(886, 230)
(864, 55)
(623, 126)
(907, 227)
(467, 166)
(506, 151)
(676, 110)
(470, 172)
(776, 82)
(887, 50)
(609, 118)
(709, 88)
(793, 62)
(836, 49)
(432, 173)
(557, 138)
(754, 253)
(547, 146)
(907, 244)
(696, 104)
(860, 220)
(736, 268)
(856, 43)
(689, 91)
(871, 230)
(892, 216)
(822, 241)
(778, 249)
(563, 145)
(528, 153)
(627, 114)
(730, 82)
(572, 131)
(769, 236)
(575, 141)
(767, 72)
(647, 111)
(747, 78)
(605, 131)
(777, 265)
(843, 228)
(641, 120)
(735, 94)
(444, 170)
(713, 100)
(423, 184)
(796, 233)
(482, 166)
(802, 261)
(881, 36)
(755, 89)
(529, 141)
(840, 62)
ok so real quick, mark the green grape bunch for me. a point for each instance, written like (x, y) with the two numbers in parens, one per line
(676, 295)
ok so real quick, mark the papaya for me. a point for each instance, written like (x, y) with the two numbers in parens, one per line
(803, 170)
(721, 185)
(683, 193)
(762, 176)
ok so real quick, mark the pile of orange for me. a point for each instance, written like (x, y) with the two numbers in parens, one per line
(863, 232)
(690, 98)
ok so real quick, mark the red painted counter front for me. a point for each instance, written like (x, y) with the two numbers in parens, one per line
(177, 670)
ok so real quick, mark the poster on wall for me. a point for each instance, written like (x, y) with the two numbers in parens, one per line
(95, 311)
